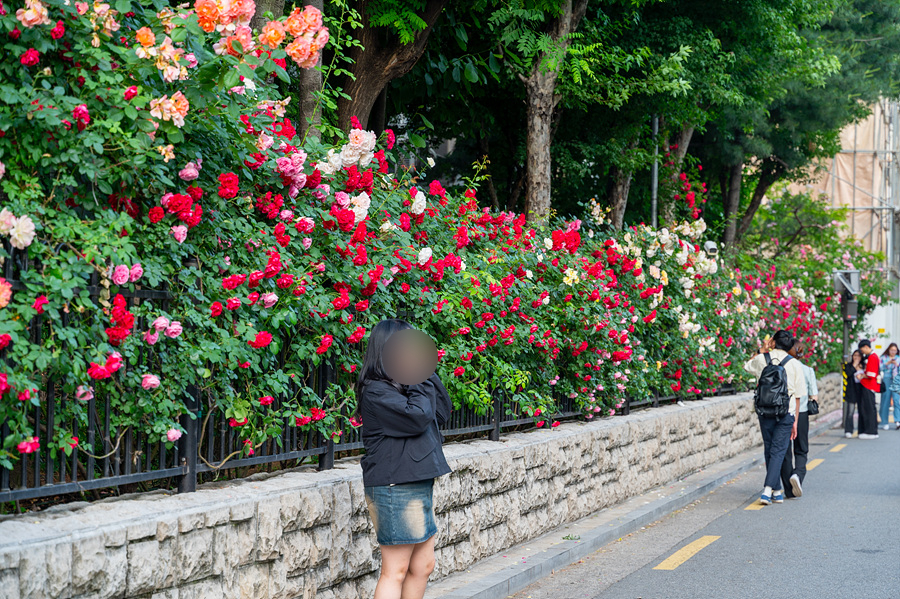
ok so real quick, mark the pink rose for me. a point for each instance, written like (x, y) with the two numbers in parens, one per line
(151, 337)
(306, 242)
(174, 330)
(160, 324)
(165, 199)
(120, 275)
(189, 172)
(268, 299)
(179, 232)
(173, 434)
(84, 393)
(149, 381)
(286, 215)
(192, 62)
(137, 271)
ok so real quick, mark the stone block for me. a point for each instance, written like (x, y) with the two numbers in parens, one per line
(208, 588)
(216, 515)
(166, 594)
(191, 521)
(243, 511)
(299, 551)
(194, 555)
(88, 565)
(269, 528)
(166, 528)
(143, 567)
(253, 581)
(141, 529)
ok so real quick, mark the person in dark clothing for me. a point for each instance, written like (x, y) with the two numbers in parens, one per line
(870, 385)
(793, 470)
(853, 372)
(403, 457)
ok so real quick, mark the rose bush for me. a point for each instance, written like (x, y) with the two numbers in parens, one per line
(130, 170)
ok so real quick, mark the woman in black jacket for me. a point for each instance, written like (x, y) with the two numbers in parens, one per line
(403, 457)
(853, 371)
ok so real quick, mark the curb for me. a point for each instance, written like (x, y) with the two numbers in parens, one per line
(512, 579)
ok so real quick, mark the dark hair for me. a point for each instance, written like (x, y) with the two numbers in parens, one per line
(372, 366)
(887, 352)
(855, 351)
(784, 340)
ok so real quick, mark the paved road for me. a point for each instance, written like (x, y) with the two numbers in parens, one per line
(840, 540)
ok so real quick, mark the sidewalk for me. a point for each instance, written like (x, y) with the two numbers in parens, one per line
(509, 571)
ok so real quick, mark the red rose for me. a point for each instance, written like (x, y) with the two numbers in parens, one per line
(262, 339)
(325, 344)
(215, 309)
(232, 282)
(15, 33)
(156, 214)
(30, 58)
(234, 423)
(232, 303)
(317, 414)
(39, 304)
(58, 31)
(130, 93)
(228, 185)
(459, 371)
(285, 281)
(303, 421)
(266, 400)
(195, 192)
(5, 340)
(357, 335)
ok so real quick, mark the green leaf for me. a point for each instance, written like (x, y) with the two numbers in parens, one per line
(232, 78)
(124, 6)
(179, 34)
(427, 123)
(416, 140)
(456, 74)
(471, 73)
(282, 74)
(131, 112)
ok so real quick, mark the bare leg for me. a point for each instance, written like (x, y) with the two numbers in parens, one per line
(421, 565)
(395, 563)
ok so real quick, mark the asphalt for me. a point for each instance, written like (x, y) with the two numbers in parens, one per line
(840, 540)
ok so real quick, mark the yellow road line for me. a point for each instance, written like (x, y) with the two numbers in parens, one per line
(756, 505)
(685, 553)
(813, 463)
(837, 447)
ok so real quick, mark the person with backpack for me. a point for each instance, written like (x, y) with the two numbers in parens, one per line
(780, 383)
(793, 470)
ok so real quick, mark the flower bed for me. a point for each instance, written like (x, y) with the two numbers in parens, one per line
(173, 236)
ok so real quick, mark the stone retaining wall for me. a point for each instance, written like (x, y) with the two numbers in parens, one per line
(307, 534)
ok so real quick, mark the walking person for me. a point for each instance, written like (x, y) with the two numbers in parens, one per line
(853, 373)
(890, 365)
(780, 381)
(402, 402)
(871, 384)
(793, 469)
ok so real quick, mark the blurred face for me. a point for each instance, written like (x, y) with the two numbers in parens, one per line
(865, 351)
(857, 357)
(892, 351)
(409, 357)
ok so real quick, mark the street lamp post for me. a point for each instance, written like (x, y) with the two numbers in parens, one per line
(846, 282)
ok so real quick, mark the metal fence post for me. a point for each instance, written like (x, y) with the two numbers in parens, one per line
(327, 377)
(497, 417)
(627, 409)
(189, 442)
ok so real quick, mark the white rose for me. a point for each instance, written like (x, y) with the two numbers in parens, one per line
(424, 255)
(7, 220)
(334, 161)
(430, 162)
(545, 301)
(548, 243)
(388, 226)
(349, 156)
(359, 213)
(418, 205)
(462, 264)
(365, 159)
(357, 139)
(22, 233)
(529, 274)
(362, 200)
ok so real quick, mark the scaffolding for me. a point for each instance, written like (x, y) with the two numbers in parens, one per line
(864, 178)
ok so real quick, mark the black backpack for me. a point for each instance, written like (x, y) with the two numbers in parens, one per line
(771, 398)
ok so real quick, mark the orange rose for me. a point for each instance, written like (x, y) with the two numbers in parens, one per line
(272, 34)
(295, 23)
(207, 14)
(146, 37)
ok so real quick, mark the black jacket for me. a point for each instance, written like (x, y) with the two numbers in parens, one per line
(400, 432)
(851, 386)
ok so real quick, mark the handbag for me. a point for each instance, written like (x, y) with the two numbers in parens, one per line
(812, 407)
(883, 387)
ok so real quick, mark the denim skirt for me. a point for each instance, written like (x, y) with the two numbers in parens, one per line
(402, 514)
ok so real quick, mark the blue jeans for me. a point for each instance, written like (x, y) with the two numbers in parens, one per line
(884, 409)
(776, 434)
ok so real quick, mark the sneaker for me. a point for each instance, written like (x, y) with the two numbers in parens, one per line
(868, 436)
(886, 427)
(850, 435)
(765, 499)
(778, 496)
(795, 486)
(898, 426)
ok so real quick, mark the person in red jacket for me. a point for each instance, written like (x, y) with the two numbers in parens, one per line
(871, 384)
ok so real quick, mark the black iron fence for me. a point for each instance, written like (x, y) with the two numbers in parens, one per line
(112, 455)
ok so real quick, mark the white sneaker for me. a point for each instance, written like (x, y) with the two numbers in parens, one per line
(867, 436)
(886, 427)
(795, 486)
(848, 435)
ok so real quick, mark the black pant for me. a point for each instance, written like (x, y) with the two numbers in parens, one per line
(868, 419)
(796, 463)
(849, 410)
(776, 434)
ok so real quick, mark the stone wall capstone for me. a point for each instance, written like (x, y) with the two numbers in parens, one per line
(307, 534)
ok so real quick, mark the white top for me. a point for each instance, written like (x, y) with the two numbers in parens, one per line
(796, 378)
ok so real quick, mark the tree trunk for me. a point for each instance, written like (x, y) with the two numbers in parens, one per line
(770, 173)
(618, 195)
(381, 59)
(682, 141)
(541, 99)
(277, 8)
(732, 202)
